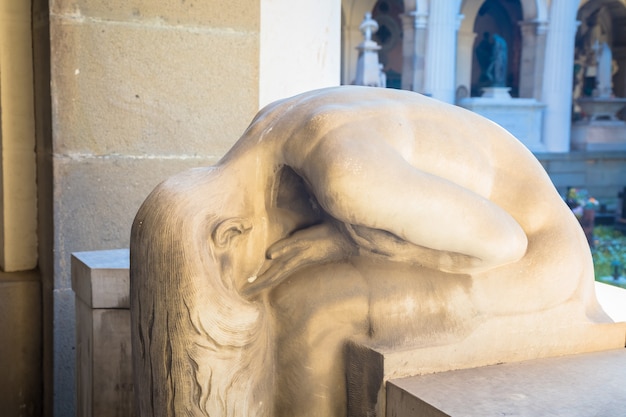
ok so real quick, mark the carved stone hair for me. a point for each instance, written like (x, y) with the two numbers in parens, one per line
(202, 347)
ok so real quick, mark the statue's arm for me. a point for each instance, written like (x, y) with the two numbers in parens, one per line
(382, 205)
(367, 183)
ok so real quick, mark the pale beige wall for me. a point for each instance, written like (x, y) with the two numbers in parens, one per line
(18, 219)
(141, 89)
(20, 292)
(301, 53)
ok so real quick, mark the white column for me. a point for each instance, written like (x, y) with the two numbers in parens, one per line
(300, 53)
(420, 23)
(441, 50)
(408, 50)
(464, 60)
(558, 76)
(533, 58)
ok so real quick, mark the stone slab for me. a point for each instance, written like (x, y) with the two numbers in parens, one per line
(522, 117)
(101, 279)
(126, 106)
(546, 334)
(234, 15)
(599, 136)
(579, 385)
(104, 377)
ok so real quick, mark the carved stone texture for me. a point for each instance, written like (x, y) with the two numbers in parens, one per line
(343, 213)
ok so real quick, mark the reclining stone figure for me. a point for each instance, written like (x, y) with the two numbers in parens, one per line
(342, 212)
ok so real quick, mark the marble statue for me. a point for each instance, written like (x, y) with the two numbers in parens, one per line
(342, 212)
(498, 66)
(484, 52)
(492, 57)
(605, 71)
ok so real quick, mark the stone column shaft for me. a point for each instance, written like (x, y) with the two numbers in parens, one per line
(558, 76)
(464, 60)
(441, 50)
(408, 51)
(533, 58)
(420, 24)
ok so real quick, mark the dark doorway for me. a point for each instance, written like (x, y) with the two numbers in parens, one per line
(389, 37)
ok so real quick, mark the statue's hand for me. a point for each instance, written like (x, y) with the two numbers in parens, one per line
(321, 243)
(380, 243)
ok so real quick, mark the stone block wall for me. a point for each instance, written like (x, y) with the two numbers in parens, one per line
(603, 174)
(140, 90)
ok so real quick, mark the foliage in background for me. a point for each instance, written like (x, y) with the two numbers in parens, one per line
(578, 199)
(609, 251)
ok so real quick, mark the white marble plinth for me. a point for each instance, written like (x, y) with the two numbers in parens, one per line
(522, 117)
(599, 135)
(601, 108)
(499, 93)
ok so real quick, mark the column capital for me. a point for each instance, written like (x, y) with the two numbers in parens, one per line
(420, 19)
(539, 26)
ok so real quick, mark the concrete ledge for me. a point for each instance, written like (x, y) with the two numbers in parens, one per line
(590, 384)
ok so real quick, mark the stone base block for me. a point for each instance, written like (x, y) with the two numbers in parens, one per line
(552, 333)
(522, 117)
(104, 377)
(571, 386)
(601, 135)
(104, 380)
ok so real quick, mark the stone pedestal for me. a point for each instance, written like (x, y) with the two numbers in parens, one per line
(601, 108)
(368, 71)
(599, 135)
(104, 383)
(555, 332)
(573, 386)
(522, 117)
(498, 93)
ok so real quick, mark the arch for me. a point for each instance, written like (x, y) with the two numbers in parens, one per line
(531, 10)
(603, 21)
(527, 60)
(392, 21)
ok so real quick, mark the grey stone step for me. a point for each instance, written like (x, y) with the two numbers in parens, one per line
(590, 384)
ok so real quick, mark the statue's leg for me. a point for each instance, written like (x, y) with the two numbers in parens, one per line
(316, 311)
(366, 182)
